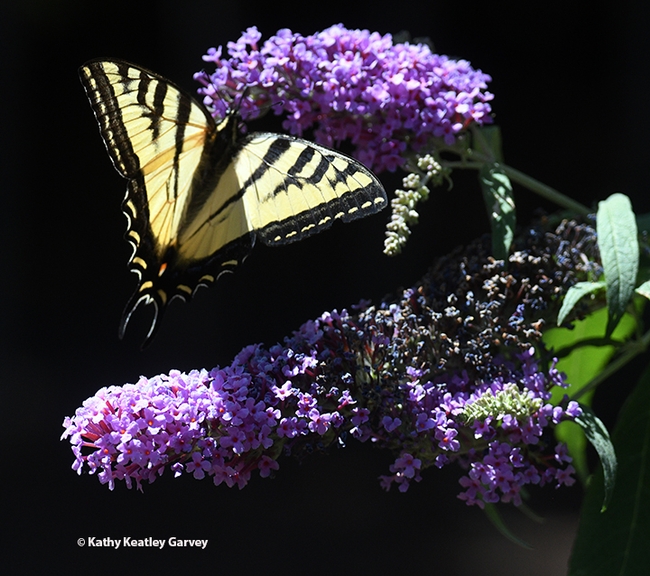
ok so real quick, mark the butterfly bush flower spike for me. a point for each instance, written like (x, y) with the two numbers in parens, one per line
(416, 189)
(351, 85)
(452, 372)
(391, 101)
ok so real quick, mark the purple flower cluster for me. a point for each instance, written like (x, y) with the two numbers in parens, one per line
(387, 99)
(224, 423)
(452, 372)
(229, 422)
(494, 428)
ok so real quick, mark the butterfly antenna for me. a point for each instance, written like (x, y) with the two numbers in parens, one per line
(232, 105)
(237, 106)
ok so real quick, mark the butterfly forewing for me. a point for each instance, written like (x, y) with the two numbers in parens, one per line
(151, 130)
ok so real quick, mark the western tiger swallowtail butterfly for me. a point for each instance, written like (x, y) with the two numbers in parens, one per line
(200, 192)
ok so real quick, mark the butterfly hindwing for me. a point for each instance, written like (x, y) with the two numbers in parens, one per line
(287, 188)
(199, 192)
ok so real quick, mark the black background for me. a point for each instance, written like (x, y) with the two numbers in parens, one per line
(571, 86)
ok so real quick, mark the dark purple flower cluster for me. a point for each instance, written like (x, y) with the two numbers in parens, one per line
(436, 379)
(354, 85)
(494, 428)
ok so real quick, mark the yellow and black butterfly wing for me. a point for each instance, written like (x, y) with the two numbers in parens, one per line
(199, 192)
(286, 188)
(164, 143)
(297, 188)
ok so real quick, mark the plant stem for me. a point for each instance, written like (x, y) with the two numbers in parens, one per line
(633, 349)
(526, 181)
(545, 191)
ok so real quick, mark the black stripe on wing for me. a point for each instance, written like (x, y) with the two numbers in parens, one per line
(107, 106)
(104, 103)
(324, 176)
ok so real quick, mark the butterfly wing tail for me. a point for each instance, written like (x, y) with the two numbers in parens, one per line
(135, 301)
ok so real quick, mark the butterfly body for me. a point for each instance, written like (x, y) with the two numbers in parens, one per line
(199, 192)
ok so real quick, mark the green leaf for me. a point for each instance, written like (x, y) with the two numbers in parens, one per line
(619, 251)
(581, 366)
(491, 141)
(597, 434)
(585, 362)
(500, 204)
(644, 289)
(616, 541)
(575, 293)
